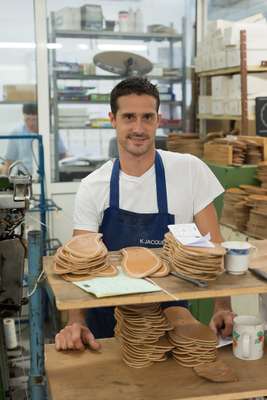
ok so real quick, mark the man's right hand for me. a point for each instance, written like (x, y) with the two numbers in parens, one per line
(76, 336)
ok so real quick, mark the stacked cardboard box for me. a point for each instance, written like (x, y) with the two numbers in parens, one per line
(21, 93)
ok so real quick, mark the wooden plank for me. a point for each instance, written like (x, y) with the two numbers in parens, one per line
(244, 88)
(220, 117)
(257, 139)
(220, 71)
(104, 376)
(218, 153)
(232, 70)
(69, 296)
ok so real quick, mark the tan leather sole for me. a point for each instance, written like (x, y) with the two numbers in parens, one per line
(139, 262)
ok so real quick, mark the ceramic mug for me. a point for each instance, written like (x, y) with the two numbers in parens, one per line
(248, 337)
(236, 259)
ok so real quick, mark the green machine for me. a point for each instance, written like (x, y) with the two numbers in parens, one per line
(228, 177)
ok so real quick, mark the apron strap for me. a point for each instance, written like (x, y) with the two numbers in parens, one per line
(161, 185)
(114, 197)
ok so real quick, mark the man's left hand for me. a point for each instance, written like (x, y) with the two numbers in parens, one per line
(222, 322)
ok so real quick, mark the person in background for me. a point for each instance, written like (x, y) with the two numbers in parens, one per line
(22, 149)
(133, 199)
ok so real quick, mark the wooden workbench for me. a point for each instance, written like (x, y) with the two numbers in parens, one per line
(69, 296)
(104, 376)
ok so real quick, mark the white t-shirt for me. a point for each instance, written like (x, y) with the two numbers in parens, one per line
(191, 186)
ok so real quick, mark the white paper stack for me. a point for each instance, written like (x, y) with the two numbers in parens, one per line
(189, 235)
(73, 117)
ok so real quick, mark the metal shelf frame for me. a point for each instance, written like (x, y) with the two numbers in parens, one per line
(84, 77)
(88, 102)
(147, 37)
(56, 75)
(109, 128)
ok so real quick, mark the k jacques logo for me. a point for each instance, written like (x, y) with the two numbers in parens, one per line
(152, 242)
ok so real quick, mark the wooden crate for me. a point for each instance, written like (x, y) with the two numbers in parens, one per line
(217, 153)
(257, 139)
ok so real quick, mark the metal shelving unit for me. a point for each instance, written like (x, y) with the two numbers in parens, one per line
(57, 75)
(83, 77)
(146, 37)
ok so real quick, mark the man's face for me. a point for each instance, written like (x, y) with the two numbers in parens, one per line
(31, 122)
(136, 122)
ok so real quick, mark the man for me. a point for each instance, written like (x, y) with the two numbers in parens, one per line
(22, 149)
(133, 199)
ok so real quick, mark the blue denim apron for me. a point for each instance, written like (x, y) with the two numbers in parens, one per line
(121, 228)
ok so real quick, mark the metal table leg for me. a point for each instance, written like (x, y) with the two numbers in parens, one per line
(36, 379)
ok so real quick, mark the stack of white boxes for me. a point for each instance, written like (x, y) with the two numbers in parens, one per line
(73, 117)
(221, 49)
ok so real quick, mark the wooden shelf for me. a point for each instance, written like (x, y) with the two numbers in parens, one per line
(103, 375)
(69, 296)
(221, 117)
(230, 71)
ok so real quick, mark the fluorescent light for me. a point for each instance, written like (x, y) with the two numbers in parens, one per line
(12, 67)
(122, 47)
(17, 45)
(27, 45)
(54, 46)
(83, 46)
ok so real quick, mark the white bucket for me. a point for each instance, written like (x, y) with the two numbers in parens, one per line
(237, 257)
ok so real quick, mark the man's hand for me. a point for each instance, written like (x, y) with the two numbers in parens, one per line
(74, 337)
(222, 322)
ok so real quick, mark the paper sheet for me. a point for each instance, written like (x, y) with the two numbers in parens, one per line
(224, 341)
(120, 284)
(189, 235)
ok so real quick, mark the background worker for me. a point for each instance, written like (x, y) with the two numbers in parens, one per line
(22, 149)
(132, 200)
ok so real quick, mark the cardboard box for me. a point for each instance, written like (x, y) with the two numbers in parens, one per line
(217, 106)
(256, 35)
(254, 57)
(233, 107)
(256, 84)
(68, 18)
(20, 93)
(204, 104)
(220, 86)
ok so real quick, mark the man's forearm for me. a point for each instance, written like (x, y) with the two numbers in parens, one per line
(222, 303)
(76, 316)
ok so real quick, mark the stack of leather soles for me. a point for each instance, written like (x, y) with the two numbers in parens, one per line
(83, 257)
(202, 263)
(194, 343)
(141, 331)
(199, 354)
(141, 262)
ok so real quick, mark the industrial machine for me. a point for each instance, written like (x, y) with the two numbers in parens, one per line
(15, 193)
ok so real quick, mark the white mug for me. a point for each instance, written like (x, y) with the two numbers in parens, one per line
(248, 337)
(237, 257)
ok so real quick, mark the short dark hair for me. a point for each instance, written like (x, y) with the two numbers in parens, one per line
(30, 109)
(133, 85)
